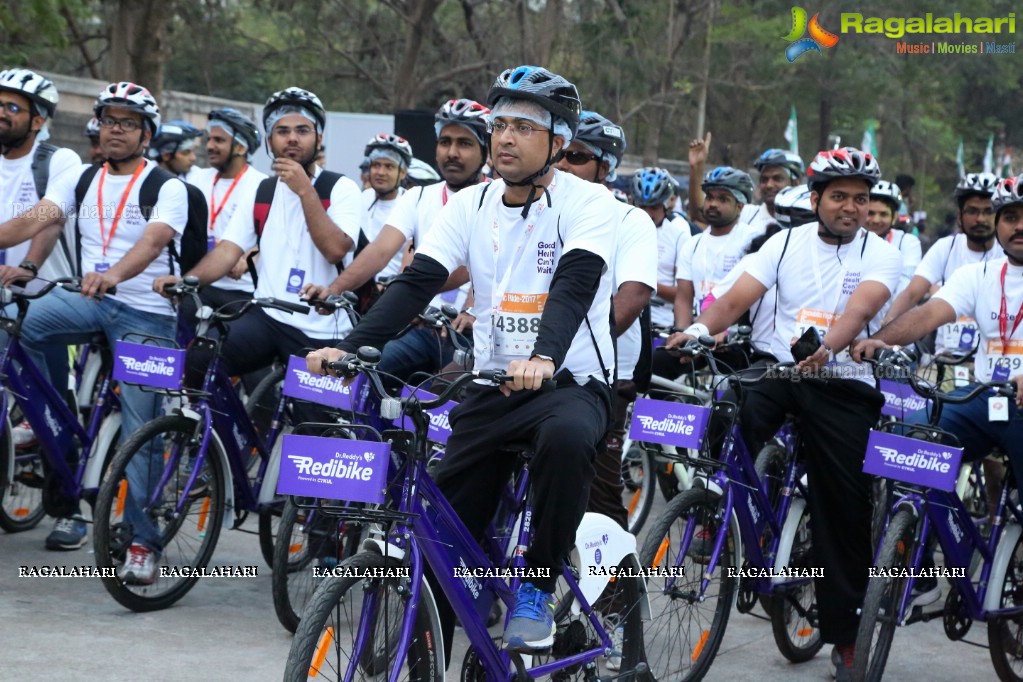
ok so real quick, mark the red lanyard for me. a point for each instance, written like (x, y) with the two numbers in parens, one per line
(1003, 316)
(214, 211)
(104, 238)
(889, 237)
(444, 195)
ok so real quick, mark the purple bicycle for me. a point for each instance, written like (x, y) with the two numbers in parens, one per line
(375, 616)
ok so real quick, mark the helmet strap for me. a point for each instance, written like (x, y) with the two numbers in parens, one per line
(528, 181)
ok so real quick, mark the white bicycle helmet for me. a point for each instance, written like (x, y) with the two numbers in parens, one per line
(132, 97)
(792, 207)
(92, 128)
(41, 92)
(888, 192)
(393, 142)
(976, 185)
(1008, 192)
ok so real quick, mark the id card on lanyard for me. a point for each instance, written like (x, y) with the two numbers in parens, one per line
(1009, 360)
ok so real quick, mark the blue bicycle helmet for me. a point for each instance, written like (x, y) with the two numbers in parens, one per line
(790, 161)
(537, 84)
(651, 186)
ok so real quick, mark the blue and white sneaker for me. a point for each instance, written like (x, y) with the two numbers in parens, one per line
(67, 534)
(531, 628)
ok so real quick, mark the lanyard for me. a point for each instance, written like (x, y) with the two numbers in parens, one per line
(444, 195)
(214, 211)
(104, 238)
(815, 259)
(889, 237)
(1003, 316)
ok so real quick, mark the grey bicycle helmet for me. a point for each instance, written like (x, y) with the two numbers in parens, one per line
(738, 182)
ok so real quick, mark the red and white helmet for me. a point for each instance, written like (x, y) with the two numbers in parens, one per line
(30, 84)
(1008, 192)
(132, 97)
(393, 142)
(466, 112)
(838, 164)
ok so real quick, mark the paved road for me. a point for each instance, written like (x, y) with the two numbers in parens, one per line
(225, 629)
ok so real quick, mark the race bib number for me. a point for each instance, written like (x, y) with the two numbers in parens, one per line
(961, 334)
(808, 317)
(516, 321)
(1004, 366)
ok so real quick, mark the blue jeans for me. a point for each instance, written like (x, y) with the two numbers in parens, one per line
(62, 318)
(56, 355)
(978, 436)
(419, 350)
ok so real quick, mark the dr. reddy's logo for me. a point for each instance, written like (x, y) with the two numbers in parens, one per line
(819, 37)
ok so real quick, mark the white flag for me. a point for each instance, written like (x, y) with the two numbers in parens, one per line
(869, 144)
(959, 159)
(989, 155)
(792, 133)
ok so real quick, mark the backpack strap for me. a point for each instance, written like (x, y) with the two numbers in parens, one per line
(41, 167)
(84, 180)
(261, 209)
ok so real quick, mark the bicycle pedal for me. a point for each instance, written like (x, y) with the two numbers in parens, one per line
(30, 479)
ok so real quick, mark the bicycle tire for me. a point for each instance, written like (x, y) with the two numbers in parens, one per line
(687, 642)
(879, 615)
(798, 637)
(188, 540)
(1005, 634)
(21, 504)
(638, 467)
(770, 468)
(331, 622)
(260, 406)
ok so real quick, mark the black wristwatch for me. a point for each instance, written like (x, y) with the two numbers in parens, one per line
(30, 266)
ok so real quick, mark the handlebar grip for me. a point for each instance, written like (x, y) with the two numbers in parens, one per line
(286, 306)
(499, 377)
(75, 287)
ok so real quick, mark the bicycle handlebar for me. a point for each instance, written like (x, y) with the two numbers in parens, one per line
(189, 286)
(900, 359)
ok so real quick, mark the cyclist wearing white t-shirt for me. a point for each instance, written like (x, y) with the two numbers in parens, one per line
(301, 241)
(173, 147)
(992, 294)
(885, 199)
(231, 139)
(117, 246)
(833, 276)
(389, 158)
(594, 155)
(538, 245)
(778, 169)
(651, 190)
(460, 126)
(974, 245)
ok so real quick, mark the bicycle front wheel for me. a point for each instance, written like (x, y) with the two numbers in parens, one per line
(638, 494)
(881, 604)
(350, 628)
(21, 495)
(1005, 633)
(139, 500)
(687, 623)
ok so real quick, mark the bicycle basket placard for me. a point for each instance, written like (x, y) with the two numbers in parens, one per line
(668, 423)
(900, 400)
(300, 383)
(440, 428)
(148, 365)
(334, 468)
(909, 460)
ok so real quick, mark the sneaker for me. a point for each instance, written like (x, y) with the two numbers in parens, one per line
(925, 591)
(24, 437)
(531, 628)
(613, 623)
(67, 534)
(842, 662)
(139, 567)
(702, 545)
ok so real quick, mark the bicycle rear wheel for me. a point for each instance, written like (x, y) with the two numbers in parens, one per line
(350, 628)
(686, 628)
(793, 613)
(1005, 633)
(161, 456)
(881, 605)
(21, 495)
(638, 495)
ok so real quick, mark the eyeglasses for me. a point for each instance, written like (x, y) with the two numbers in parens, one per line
(578, 158)
(301, 131)
(128, 125)
(974, 212)
(12, 107)
(522, 130)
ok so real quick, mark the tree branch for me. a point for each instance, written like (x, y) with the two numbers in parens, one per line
(79, 39)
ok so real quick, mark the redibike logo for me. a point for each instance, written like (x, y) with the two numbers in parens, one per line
(912, 403)
(924, 461)
(440, 420)
(323, 383)
(164, 366)
(670, 424)
(346, 466)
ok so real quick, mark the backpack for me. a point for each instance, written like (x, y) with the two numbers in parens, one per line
(41, 167)
(194, 242)
(324, 185)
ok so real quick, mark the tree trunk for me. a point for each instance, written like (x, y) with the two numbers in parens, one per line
(406, 90)
(138, 42)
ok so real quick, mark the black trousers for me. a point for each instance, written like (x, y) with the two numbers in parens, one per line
(608, 486)
(835, 417)
(564, 426)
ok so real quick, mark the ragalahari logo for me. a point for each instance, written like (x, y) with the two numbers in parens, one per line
(819, 37)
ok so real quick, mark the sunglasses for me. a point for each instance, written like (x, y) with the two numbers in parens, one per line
(578, 158)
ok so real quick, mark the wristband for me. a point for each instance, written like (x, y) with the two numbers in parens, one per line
(831, 351)
(696, 330)
(30, 266)
(469, 311)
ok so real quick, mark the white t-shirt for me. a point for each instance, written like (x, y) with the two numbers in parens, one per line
(218, 191)
(413, 215)
(18, 194)
(912, 252)
(975, 291)
(761, 312)
(376, 215)
(945, 256)
(634, 260)
(757, 217)
(171, 209)
(512, 260)
(671, 235)
(814, 282)
(288, 257)
(706, 259)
